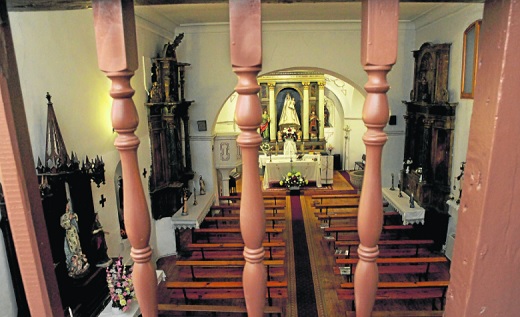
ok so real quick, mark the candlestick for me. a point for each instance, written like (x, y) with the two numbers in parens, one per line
(392, 188)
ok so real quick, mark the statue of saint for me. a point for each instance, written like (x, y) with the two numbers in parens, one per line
(202, 186)
(99, 244)
(289, 117)
(264, 126)
(313, 125)
(77, 264)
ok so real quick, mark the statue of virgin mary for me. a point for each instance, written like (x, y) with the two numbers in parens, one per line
(289, 117)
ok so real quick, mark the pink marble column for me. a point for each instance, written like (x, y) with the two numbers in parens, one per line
(114, 24)
(378, 54)
(20, 187)
(246, 60)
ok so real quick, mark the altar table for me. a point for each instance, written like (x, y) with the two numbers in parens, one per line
(275, 171)
(262, 159)
(402, 206)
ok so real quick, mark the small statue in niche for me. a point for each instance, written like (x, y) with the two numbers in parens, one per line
(99, 244)
(326, 114)
(155, 93)
(424, 92)
(313, 125)
(202, 186)
(77, 264)
(264, 126)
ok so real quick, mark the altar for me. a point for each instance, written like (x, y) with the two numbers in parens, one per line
(263, 159)
(402, 206)
(276, 170)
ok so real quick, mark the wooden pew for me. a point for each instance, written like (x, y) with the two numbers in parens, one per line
(346, 229)
(231, 230)
(321, 197)
(217, 219)
(419, 265)
(204, 247)
(337, 205)
(266, 196)
(222, 290)
(401, 290)
(351, 215)
(402, 313)
(275, 208)
(213, 309)
(219, 265)
(390, 243)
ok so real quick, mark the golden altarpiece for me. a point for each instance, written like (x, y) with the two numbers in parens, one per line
(293, 101)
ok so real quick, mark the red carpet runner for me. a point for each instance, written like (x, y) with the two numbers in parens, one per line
(305, 296)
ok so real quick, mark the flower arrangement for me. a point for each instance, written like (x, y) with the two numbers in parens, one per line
(293, 179)
(119, 279)
(330, 148)
(265, 147)
(289, 133)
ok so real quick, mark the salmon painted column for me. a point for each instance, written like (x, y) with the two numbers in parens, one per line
(246, 60)
(114, 24)
(378, 55)
(484, 271)
(20, 187)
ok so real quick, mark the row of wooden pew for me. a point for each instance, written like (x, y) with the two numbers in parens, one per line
(209, 280)
(405, 265)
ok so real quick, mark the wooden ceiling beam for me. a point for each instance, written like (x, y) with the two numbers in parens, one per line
(55, 5)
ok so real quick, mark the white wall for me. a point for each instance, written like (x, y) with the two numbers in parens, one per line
(56, 53)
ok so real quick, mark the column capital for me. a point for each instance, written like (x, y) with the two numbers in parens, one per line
(306, 84)
(321, 84)
(271, 85)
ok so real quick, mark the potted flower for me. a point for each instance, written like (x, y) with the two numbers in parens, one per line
(293, 180)
(120, 285)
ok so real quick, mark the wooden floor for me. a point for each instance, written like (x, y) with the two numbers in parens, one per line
(322, 262)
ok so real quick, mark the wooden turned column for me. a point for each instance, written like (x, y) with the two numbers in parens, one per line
(114, 24)
(378, 54)
(246, 60)
(20, 187)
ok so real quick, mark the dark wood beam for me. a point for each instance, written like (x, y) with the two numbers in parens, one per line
(54, 5)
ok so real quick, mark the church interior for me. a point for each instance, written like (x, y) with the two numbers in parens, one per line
(311, 96)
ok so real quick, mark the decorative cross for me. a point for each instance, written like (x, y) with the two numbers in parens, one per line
(144, 172)
(102, 201)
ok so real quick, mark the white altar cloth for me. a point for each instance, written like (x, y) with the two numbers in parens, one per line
(262, 159)
(275, 171)
(196, 213)
(289, 148)
(402, 206)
